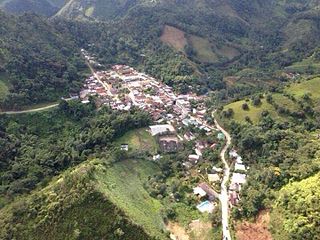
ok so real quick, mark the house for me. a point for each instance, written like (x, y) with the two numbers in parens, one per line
(213, 177)
(238, 178)
(189, 136)
(161, 129)
(199, 192)
(169, 143)
(156, 157)
(124, 147)
(233, 197)
(198, 152)
(218, 170)
(239, 167)
(209, 191)
(194, 159)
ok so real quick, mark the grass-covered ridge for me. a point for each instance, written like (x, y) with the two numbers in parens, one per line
(91, 201)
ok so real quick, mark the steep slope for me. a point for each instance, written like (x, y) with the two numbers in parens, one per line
(42, 7)
(86, 203)
(296, 212)
(39, 63)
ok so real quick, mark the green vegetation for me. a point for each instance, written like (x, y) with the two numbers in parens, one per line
(306, 87)
(123, 184)
(253, 112)
(203, 49)
(35, 147)
(3, 90)
(40, 63)
(281, 147)
(81, 203)
(139, 140)
(296, 211)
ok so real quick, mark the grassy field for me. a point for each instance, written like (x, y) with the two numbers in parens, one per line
(309, 86)
(139, 139)
(203, 49)
(123, 185)
(228, 52)
(285, 102)
(254, 112)
(304, 65)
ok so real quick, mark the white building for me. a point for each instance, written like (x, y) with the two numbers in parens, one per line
(199, 191)
(161, 129)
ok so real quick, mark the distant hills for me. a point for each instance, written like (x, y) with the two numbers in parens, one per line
(216, 38)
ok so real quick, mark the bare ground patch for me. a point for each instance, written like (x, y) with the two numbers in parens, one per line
(174, 37)
(258, 230)
(177, 231)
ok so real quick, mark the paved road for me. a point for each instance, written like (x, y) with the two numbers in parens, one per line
(224, 191)
(34, 109)
(31, 110)
(106, 87)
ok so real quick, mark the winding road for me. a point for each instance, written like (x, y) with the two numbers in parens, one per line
(224, 191)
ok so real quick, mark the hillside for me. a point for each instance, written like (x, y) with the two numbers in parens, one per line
(277, 132)
(206, 40)
(296, 212)
(37, 62)
(81, 204)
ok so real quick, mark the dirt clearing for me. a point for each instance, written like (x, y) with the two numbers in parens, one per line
(174, 37)
(258, 230)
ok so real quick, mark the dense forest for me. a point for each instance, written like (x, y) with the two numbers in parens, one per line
(37, 62)
(296, 214)
(236, 34)
(37, 146)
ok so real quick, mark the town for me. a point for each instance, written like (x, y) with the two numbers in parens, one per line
(122, 88)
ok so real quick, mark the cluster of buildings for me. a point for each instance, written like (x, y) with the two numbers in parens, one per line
(207, 196)
(238, 177)
(122, 87)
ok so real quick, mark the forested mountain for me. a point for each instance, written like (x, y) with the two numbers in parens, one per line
(37, 62)
(262, 57)
(219, 38)
(42, 7)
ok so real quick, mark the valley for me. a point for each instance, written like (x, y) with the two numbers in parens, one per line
(135, 119)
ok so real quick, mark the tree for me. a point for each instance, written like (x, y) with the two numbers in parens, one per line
(256, 101)
(245, 107)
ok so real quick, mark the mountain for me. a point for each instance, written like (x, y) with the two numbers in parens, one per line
(41, 7)
(37, 62)
(215, 39)
(81, 204)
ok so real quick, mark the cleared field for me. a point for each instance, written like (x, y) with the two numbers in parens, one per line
(304, 65)
(203, 49)
(310, 86)
(123, 185)
(285, 102)
(254, 112)
(139, 139)
(228, 52)
(174, 37)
